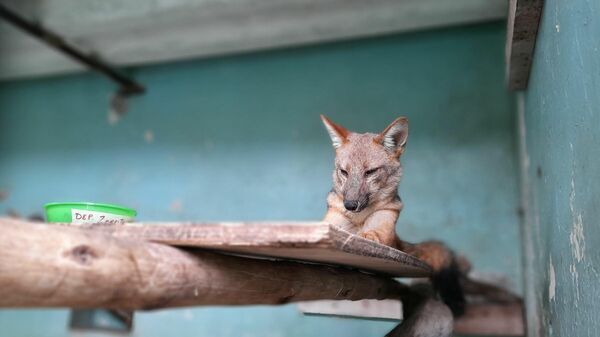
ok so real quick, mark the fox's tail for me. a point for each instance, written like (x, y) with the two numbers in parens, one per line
(447, 270)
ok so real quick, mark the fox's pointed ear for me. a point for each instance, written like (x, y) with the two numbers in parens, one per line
(337, 133)
(393, 138)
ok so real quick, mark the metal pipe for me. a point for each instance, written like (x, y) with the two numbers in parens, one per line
(127, 85)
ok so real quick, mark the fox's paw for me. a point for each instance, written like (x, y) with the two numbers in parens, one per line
(371, 235)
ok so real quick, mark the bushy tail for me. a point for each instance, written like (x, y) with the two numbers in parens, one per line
(447, 271)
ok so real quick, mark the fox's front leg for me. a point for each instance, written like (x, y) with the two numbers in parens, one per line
(336, 218)
(381, 227)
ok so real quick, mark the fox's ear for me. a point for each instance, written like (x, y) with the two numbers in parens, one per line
(393, 138)
(337, 133)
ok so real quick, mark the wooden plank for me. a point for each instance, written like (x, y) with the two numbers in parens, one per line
(364, 309)
(57, 266)
(523, 21)
(311, 241)
(480, 319)
(138, 32)
(314, 242)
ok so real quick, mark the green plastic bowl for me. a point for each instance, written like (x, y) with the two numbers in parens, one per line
(88, 213)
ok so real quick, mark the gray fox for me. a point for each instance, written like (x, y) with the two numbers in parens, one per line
(364, 200)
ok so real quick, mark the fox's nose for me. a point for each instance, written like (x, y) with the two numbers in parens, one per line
(351, 205)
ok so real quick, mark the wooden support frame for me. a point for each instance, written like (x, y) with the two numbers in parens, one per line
(53, 266)
(45, 265)
(523, 21)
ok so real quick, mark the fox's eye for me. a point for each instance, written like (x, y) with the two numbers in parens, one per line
(371, 172)
(344, 172)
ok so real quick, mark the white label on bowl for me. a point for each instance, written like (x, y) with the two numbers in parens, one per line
(80, 217)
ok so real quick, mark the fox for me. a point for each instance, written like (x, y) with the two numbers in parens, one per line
(364, 200)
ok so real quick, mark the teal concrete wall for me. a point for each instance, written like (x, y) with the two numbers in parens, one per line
(560, 119)
(239, 138)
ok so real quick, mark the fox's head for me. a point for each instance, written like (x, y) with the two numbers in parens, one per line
(367, 165)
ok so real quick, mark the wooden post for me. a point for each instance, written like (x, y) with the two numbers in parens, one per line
(52, 266)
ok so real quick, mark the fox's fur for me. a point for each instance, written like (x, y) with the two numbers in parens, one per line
(364, 199)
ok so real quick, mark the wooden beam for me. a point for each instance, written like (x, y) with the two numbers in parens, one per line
(492, 319)
(138, 32)
(52, 266)
(523, 21)
(307, 241)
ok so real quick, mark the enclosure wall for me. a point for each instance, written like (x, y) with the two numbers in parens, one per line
(559, 123)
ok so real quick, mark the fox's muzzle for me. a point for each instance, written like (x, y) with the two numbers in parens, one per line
(354, 200)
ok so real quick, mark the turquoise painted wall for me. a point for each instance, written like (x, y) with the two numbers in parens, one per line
(560, 119)
(239, 138)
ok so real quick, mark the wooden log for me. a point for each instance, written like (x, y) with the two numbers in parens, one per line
(431, 319)
(52, 266)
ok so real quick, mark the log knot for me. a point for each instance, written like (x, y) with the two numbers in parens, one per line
(82, 254)
(345, 293)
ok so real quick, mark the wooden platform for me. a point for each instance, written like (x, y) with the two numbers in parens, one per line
(309, 241)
